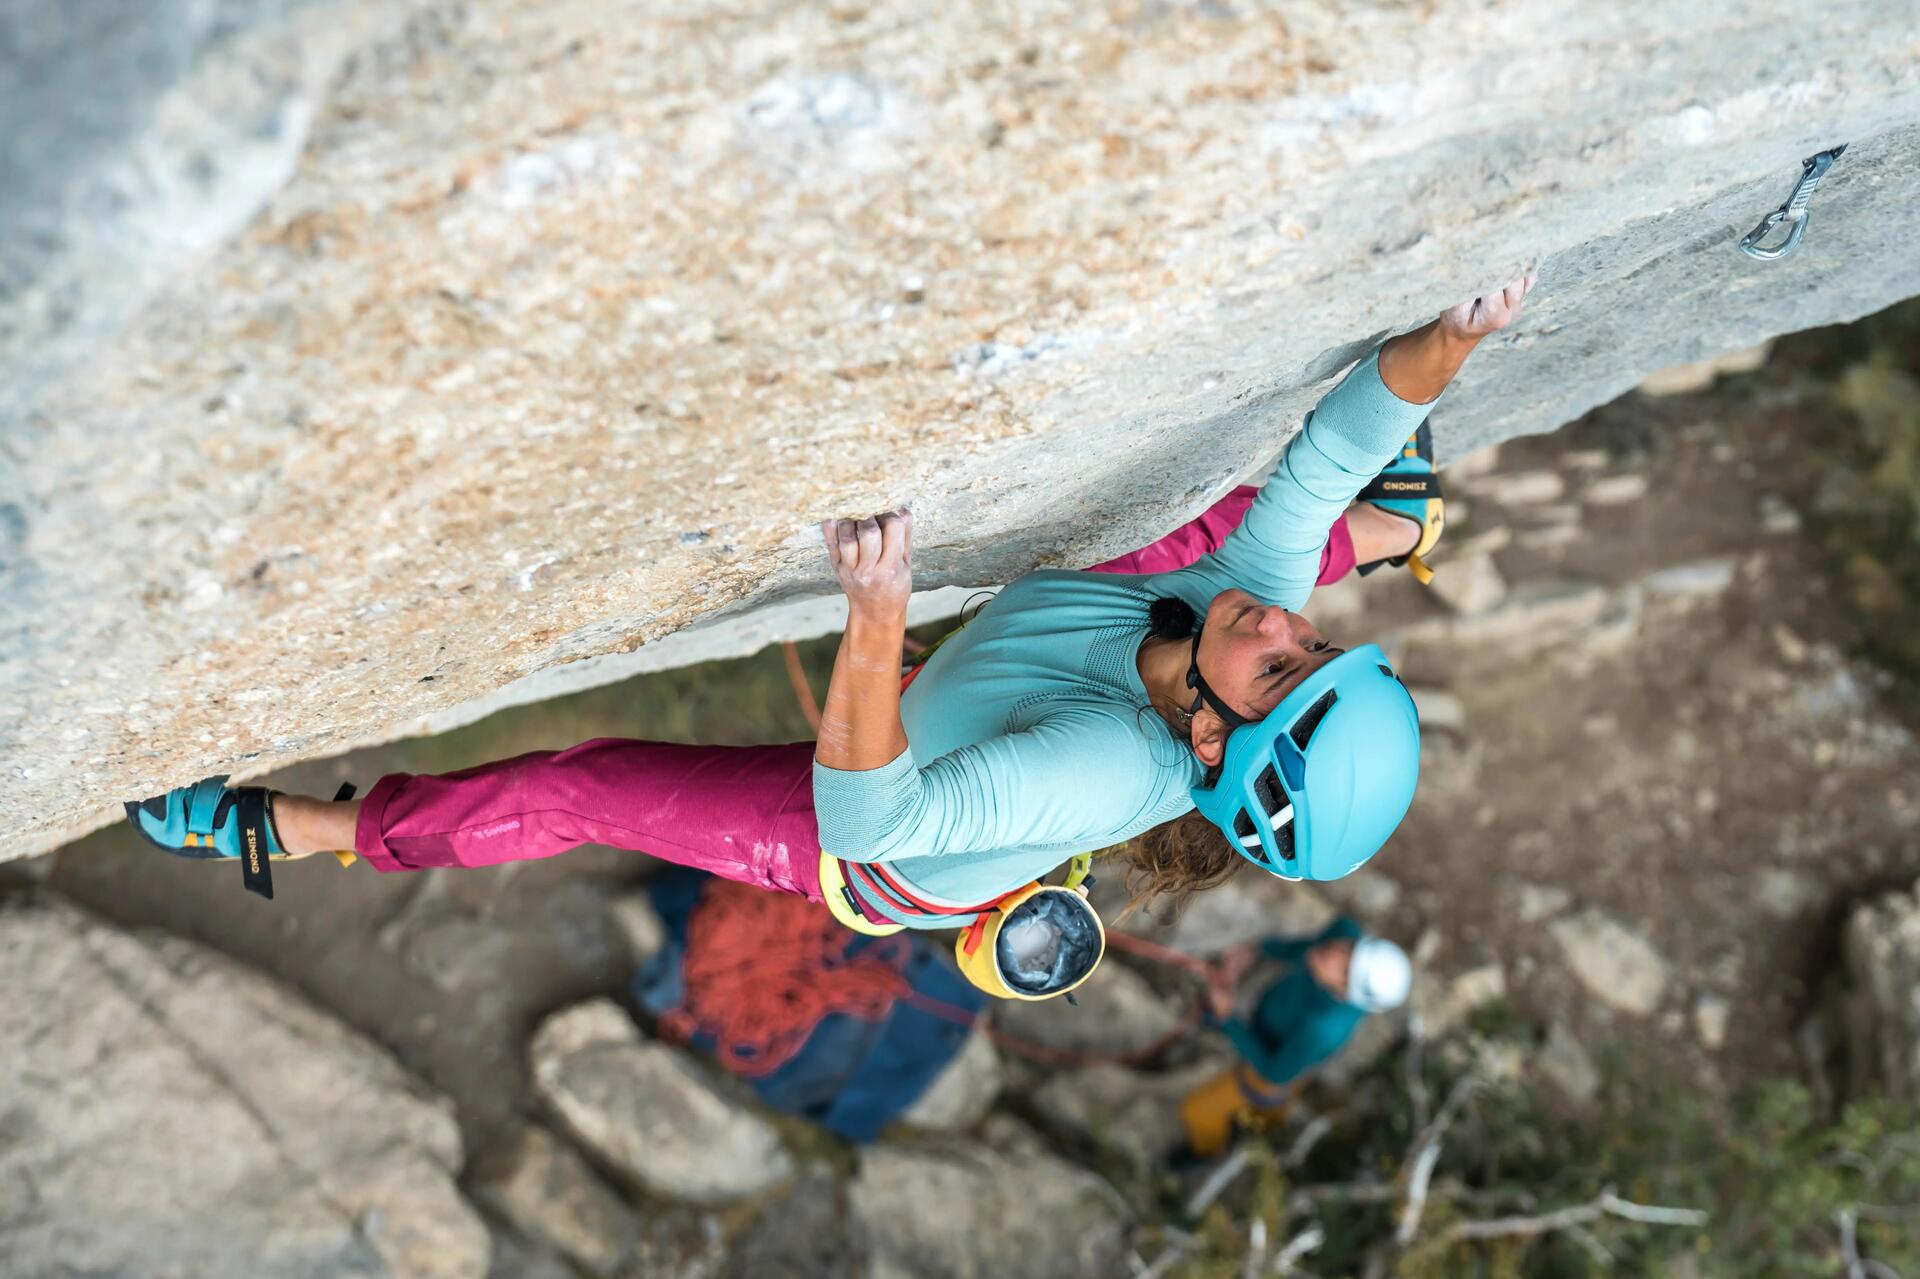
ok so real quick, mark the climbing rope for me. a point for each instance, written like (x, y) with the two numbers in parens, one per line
(802, 689)
(762, 970)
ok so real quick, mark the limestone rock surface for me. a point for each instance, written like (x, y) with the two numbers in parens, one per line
(167, 1112)
(372, 363)
(1129, 1113)
(1881, 945)
(1616, 963)
(1116, 1011)
(650, 1112)
(960, 1095)
(546, 1189)
(996, 1213)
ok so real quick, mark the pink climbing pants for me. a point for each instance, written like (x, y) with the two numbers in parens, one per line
(741, 812)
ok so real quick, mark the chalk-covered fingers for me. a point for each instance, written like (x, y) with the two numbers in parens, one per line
(1490, 312)
(896, 536)
(872, 558)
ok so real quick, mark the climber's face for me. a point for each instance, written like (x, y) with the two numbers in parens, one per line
(1252, 655)
(1328, 963)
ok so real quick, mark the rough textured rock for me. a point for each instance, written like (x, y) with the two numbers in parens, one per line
(998, 1213)
(547, 1190)
(1565, 1063)
(1711, 1014)
(1248, 907)
(1881, 944)
(1442, 1004)
(1129, 1113)
(805, 1233)
(649, 1112)
(1613, 961)
(962, 1094)
(166, 1112)
(564, 326)
(1117, 1011)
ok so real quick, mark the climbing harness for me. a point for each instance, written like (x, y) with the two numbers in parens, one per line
(1038, 941)
(1035, 942)
(1794, 211)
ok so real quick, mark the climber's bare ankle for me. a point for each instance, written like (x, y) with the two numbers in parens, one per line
(1378, 534)
(308, 826)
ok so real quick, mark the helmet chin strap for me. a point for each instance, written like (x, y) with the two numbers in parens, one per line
(1203, 692)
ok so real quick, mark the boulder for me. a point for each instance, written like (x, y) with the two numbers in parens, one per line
(1442, 1004)
(639, 927)
(1132, 1114)
(1117, 1011)
(1615, 490)
(374, 365)
(549, 1193)
(1469, 585)
(1710, 1016)
(1880, 944)
(803, 1233)
(948, 1211)
(1702, 579)
(1566, 1065)
(648, 1112)
(962, 1094)
(1248, 907)
(1613, 961)
(1535, 902)
(167, 1112)
(1534, 615)
(1521, 488)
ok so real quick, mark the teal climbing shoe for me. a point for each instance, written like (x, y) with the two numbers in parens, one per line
(1410, 488)
(208, 820)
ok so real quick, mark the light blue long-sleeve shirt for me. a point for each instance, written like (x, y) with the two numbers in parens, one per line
(1029, 734)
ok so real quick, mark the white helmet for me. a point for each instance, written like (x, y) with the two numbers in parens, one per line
(1379, 975)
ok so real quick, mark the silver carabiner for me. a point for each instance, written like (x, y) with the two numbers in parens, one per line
(1812, 169)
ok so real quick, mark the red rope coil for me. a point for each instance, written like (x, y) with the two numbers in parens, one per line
(763, 969)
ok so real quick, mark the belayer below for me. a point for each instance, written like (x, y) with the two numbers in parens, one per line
(1172, 701)
(1337, 978)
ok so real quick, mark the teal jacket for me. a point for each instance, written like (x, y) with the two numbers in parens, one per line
(1029, 733)
(1296, 1024)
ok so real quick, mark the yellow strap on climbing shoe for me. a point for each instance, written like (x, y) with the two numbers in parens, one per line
(1421, 572)
(345, 856)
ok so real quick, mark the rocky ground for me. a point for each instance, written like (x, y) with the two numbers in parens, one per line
(1656, 790)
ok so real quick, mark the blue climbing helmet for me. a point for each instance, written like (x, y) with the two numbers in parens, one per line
(1314, 789)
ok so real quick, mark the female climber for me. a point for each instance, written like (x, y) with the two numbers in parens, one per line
(1077, 711)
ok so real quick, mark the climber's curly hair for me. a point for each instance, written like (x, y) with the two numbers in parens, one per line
(1175, 860)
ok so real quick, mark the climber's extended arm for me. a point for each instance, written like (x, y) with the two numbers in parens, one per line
(860, 725)
(1355, 430)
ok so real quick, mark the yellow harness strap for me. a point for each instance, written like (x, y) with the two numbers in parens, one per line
(833, 886)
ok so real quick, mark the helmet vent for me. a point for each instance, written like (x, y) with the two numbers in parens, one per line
(1267, 788)
(1243, 830)
(1386, 670)
(1302, 730)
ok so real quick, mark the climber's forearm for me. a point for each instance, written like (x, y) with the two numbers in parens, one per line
(1417, 366)
(860, 724)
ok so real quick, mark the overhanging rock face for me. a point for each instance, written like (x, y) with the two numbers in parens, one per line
(572, 318)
